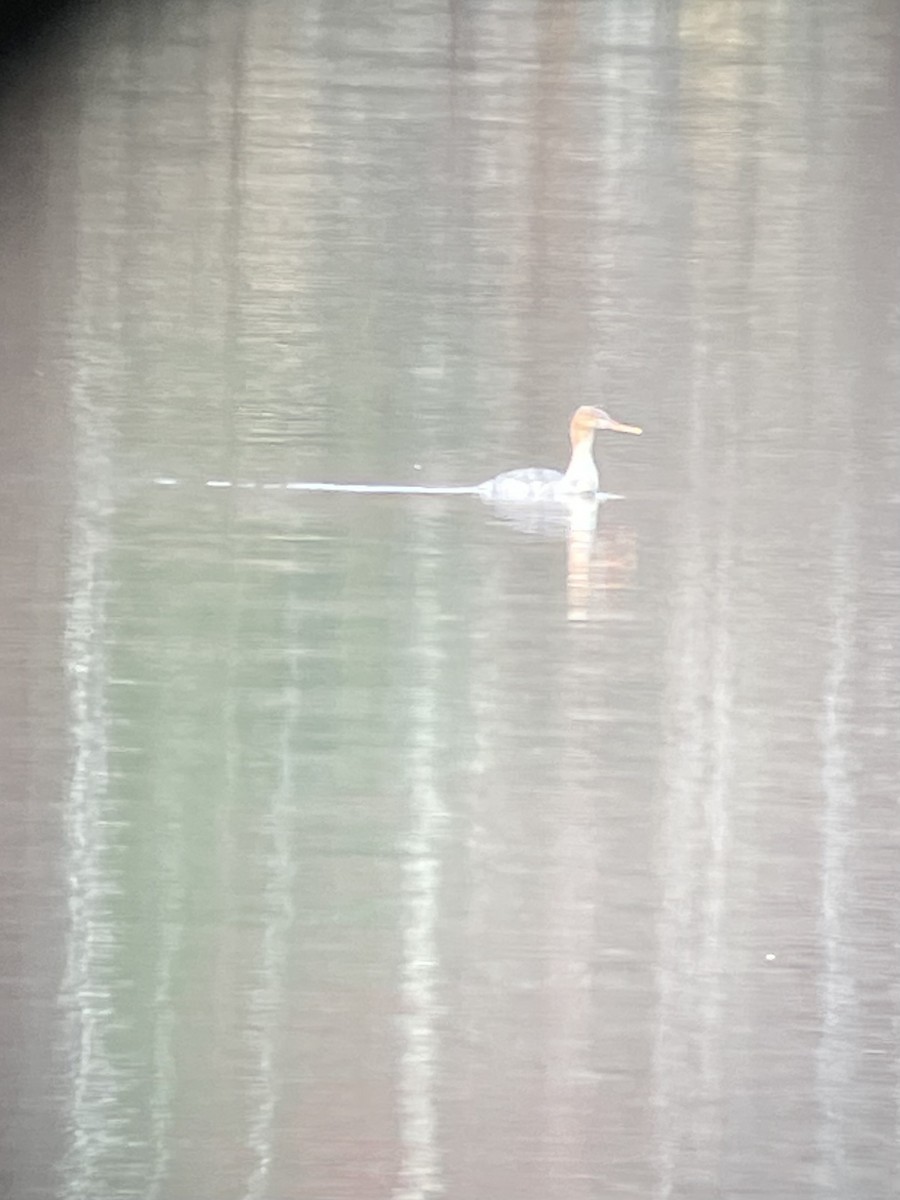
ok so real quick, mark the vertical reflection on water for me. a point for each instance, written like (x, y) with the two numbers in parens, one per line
(101, 1079)
(162, 1082)
(421, 1171)
(837, 1056)
(91, 1076)
(266, 1002)
(580, 537)
(577, 920)
(695, 837)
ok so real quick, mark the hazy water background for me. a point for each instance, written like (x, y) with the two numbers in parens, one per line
(337, 860)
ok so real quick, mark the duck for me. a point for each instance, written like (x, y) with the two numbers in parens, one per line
(542, 485)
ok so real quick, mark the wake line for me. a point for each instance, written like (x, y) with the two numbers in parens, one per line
(398, 489)
(392, 489)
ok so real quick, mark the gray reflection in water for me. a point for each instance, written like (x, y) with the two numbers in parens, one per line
(695, 839)
(101, 1076)
(421, 1168)
(265, 1002)
(597, 560)
(93, 1081)
(838, 1054)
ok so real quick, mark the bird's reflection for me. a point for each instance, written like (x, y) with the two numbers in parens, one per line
(598, 558)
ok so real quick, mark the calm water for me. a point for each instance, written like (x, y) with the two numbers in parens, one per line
(380, 846)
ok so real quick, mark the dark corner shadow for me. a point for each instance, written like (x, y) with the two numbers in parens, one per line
(30, 30)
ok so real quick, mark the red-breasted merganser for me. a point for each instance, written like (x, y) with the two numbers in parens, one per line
(540, 485)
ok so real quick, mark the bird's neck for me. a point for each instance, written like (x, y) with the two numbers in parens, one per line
(581, 475)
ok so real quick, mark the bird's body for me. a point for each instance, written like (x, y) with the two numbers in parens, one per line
(540, 485)
(525, 484)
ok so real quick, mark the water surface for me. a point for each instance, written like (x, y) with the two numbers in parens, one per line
(381, 845)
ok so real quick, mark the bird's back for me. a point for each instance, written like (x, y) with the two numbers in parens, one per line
(526, 484)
